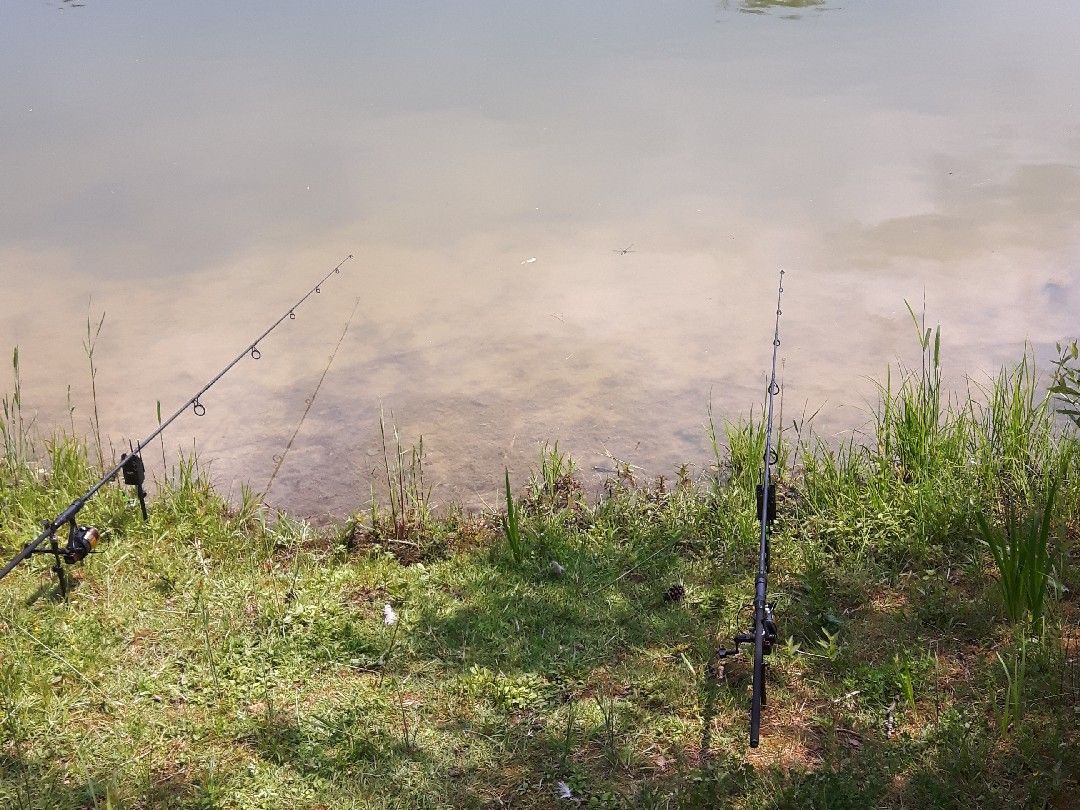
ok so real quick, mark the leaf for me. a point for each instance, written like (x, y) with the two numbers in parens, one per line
(511, 524)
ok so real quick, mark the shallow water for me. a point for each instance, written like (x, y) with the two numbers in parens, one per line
(192, 168)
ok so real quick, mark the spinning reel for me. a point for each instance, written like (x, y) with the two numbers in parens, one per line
(81, 542)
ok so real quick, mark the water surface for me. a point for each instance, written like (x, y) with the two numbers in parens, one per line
(189, 169)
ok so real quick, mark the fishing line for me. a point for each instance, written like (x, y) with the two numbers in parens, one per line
(310, 401)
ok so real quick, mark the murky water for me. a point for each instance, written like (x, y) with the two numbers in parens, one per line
(190, 168)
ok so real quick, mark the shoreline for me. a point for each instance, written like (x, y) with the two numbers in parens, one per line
(419, 656)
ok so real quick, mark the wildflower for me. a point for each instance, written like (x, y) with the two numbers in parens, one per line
(389, 615)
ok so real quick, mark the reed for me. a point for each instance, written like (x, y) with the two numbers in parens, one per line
(93, 333)
(407, 492)
(14, 431)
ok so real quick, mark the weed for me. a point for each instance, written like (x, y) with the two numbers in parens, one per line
(511, 524)
(1019, 549)
(18, 445)
(1015, 670)
(1066, 383)
(610, 711)
(553, 486)
(829, 644)
(905, 680)
(93, 332)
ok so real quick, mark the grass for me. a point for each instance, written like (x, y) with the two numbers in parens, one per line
(512, 523)
(223, 656)
(1019, 550)
(1066, 383)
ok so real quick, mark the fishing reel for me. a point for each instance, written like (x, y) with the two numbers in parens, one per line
(81, 542)
(768, 640)
(767, 628)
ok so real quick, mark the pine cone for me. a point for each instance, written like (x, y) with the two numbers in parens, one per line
(674, 594)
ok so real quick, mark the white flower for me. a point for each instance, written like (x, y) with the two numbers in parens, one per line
(389, 616)
(564, 791)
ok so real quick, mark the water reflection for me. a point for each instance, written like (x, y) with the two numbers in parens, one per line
(769, 6)
(976, 216)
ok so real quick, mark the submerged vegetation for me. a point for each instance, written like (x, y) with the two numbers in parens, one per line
(562, 652)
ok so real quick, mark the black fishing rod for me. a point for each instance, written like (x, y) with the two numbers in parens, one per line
(763, 634)
(81, 540)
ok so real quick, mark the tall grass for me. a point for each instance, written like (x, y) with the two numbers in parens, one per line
(407, 493)
(93, 332)
(512, 524)
(13, 428)
(740, 456)
(1019, 549)
(911, 434)
(550, 484)
(935, 463)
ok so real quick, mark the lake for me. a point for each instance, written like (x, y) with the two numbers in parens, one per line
(567, 220)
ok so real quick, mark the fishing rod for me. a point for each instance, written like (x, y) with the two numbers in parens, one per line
(763, 634)
(82, 540)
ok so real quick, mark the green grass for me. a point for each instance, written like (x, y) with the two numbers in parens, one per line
(1066, 383)
(512, 522)
(1019, 549)
(221, 656)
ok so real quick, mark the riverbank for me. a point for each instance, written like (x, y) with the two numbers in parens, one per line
(224, 656)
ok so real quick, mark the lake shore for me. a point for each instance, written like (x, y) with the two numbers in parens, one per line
(224, 655)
